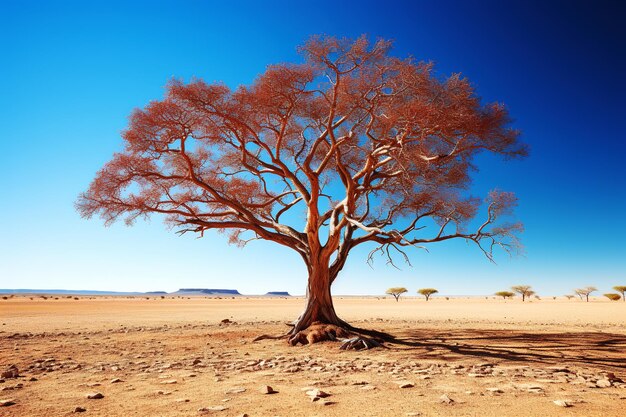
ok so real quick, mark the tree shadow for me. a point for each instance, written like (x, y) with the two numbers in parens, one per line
(601, 350)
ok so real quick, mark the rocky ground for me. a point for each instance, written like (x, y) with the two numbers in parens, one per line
(430, 368)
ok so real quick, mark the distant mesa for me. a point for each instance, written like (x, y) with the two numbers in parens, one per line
(279, 293)
(206, 291)
(156, 292)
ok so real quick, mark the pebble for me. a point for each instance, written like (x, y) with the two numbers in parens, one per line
(236, 390)
(406, 385)
(414, 413)
(266, 389)
(317, 393)
(116, 380)
(80, 410)
(603, 383)
(562, 403)
(7, 402)
(169, 382)
(445, 399)
(495, 390)
(95, 396)
(214, 408)
(11, 372)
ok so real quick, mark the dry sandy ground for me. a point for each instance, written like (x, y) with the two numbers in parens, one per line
(173, 357)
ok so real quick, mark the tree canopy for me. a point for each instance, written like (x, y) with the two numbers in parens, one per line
(427, 292)
(396, 292)
(505, 294)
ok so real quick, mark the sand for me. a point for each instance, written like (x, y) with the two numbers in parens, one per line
(174, 357)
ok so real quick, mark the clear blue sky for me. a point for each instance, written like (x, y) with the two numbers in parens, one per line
(71, 72)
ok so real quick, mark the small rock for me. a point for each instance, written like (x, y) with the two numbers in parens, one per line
(445, 399)
(603, 383)
(266, 389)
(562, 403)
(95, 396)
(32, 379)
(236, 390)
(317, 393)
(7, 402)
(116, 380)
(406, 385)
(495, 390)
(414, 413)
(11, 372)
(214, 408)
(368, 387)
(80, 410)
(169, 382)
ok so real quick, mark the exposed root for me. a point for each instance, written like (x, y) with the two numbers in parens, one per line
(360, 343)
(269, 336)
(319, 332)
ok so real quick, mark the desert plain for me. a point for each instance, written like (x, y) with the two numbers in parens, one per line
(190, 356)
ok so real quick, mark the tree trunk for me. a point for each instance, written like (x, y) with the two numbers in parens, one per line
(319, 302)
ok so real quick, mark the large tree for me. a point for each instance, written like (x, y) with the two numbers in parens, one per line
(350, 147)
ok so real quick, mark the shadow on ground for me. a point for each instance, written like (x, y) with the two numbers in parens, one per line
(602, 350)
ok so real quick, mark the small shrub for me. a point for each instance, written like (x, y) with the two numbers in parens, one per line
(613, 297)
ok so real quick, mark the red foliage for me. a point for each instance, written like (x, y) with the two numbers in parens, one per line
(368, 145)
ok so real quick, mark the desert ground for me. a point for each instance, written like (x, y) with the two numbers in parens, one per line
(176, 357)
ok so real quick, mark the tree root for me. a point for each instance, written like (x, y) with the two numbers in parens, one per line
(269, 336)
(360, 343)
(320, 332)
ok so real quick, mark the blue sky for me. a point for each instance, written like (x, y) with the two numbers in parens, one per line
(71, 72)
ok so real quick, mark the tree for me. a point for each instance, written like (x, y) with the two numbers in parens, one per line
(350, 147)
(569, 296)
(427, 292)
(621, 289)
(523, 290)
(585, 292)
(505, 294)
(613, 297)
(396, 292)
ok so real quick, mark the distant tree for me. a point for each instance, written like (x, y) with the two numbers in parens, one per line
(584, 292)
(569, 296)
(350, 147)
(427, 292)
(579, 293)
(613, 297)
(621, 289)
(537, 297)
(396, 292)
(523, 290)
(505, 294)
